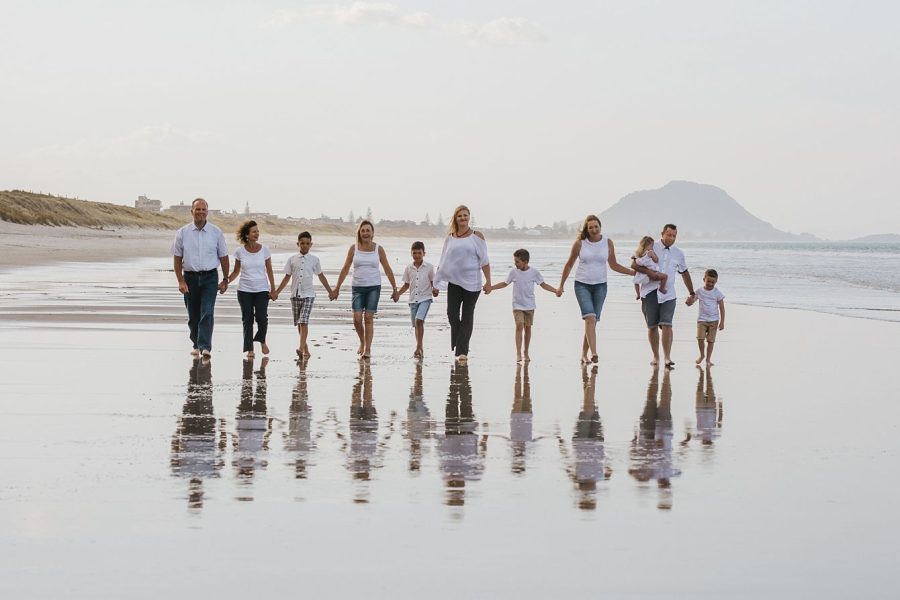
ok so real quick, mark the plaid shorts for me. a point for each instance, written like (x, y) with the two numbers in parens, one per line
(301, 307)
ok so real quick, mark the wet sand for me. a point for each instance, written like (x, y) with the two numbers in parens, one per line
(132, 470)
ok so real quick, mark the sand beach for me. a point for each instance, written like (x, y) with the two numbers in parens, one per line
(133, 470)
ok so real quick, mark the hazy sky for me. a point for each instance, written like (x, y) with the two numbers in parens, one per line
(526, 109)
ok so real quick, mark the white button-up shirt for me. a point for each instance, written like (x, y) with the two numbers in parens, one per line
(420, 282)
(303, 268)
(671, 261)
(199, 249)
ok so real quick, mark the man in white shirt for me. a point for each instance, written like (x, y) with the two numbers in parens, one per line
(659, 308)
(199, 249)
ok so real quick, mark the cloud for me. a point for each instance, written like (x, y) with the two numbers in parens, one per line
(503, 31)
(144, 138)
(377, 14)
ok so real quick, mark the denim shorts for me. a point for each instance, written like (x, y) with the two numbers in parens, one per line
(419, 310)
(656, 314)
(591, 297)
(365, 298)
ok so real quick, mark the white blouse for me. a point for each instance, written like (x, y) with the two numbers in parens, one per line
(461, 263)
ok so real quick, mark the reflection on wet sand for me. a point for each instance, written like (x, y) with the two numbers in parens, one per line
(299, 442)
(521, 419)
(195, 454)
(589, 462)
(419, 425)
(709, 409)
(362, 454)
(651, 448)
(253, 426)
(461, 458)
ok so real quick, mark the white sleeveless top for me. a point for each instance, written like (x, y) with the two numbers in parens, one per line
(592, 261)
(366, 267)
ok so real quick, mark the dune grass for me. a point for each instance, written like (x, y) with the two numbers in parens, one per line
(27, 208)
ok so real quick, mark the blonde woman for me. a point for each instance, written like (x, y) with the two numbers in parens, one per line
(594, 253)
(365, 256)
(464, 259)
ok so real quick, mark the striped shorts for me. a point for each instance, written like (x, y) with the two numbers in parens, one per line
(301, 307)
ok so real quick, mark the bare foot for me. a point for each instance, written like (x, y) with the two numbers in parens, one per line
(265, 348)
(710, 363)
(699, 360)
(206, 353)
(669, 363)
(195, 352)
(250, 354)
(527, 358)
(361, 349)
(462, 359)
(595, 359)
(584, 359)
(518, 358)
(655, 361)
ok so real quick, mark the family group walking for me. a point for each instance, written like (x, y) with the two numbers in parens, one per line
(464, 272)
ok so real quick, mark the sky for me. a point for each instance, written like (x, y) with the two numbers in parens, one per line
(532, 110)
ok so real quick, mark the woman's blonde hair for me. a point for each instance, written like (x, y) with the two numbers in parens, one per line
(583, 232)
(360, 226)
(643, 246)
(454, 229)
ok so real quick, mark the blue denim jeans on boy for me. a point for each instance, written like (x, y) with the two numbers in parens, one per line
(419, 310)
(200, 301)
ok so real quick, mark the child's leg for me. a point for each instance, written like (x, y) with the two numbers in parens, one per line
(637, 291)
(709, 349)
(300, 339)
(527, 340)
(420, 335)
(664, 283)
(304, 332)
(702, 355)
(701, 340)
(519, 331)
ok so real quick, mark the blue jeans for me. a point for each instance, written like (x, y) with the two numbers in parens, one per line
(201, 303)
(419, 310)
(591, 297)
(365, 298)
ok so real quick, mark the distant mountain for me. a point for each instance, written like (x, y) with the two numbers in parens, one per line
(879, 238)
(700, 211)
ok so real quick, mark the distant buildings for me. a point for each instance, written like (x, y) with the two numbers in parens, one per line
(145, 203)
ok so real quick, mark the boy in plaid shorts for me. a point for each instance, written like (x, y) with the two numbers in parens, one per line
(299, 270)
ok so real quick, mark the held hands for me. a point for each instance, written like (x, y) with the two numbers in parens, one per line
(487, 288)
(395, 296)
(691, 299)
(559, 292)
(333, 294)
(273, 296)
(223, 286)
(434, 292)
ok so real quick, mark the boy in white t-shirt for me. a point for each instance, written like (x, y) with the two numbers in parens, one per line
(523, 279)
(299, 270)
(418, 278)
(712, 315)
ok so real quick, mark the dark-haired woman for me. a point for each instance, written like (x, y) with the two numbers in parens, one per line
(593, 252)
(253, 264)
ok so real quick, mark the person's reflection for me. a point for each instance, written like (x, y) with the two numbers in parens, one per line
(460, 456)
(651, 448)
(298, 439)
(195, 454)
(709, 410)
(253, 425)
(520, 419)
(362, 457)
(587, 445)
(418, 426)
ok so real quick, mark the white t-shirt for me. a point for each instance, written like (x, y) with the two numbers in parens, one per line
(303, 268)
(253, 276)
(709, 303)
(671, 261)
(523, 287)
(420, 282)
(461, 262)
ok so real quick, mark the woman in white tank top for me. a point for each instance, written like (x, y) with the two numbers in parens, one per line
(365, 256)
(594, 253)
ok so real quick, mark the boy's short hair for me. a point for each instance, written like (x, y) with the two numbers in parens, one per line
(418, 246)
(304, 234)
(711, 273)
(522, 254)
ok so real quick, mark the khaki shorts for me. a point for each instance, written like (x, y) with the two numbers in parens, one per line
(524, 317)
(706, 330)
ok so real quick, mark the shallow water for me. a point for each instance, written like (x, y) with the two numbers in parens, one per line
(131, 469)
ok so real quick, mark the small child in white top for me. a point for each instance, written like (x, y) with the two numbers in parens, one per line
(712, 314)
(646, 257)
(300, 269)
(523, 279)
(418, 278)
